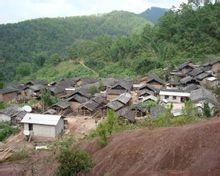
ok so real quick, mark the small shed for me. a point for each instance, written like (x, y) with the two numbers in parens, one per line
(43, 125)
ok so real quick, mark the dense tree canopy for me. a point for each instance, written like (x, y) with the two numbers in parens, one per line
(189, 32)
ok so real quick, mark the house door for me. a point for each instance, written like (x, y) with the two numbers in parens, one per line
(30, 127)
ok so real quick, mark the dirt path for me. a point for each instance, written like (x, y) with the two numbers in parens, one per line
(88, 68)
(79, 126)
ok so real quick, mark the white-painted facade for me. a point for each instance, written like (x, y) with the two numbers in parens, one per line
(173, 96)
(43, 125)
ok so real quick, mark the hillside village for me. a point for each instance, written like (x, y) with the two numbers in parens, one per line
(91, 98)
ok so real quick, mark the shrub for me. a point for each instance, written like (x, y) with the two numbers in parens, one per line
(102, 133)
(5, 130)
(19, 155)
(73, 162)
(206, 110)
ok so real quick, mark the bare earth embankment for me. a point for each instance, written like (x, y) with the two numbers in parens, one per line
(192, 150)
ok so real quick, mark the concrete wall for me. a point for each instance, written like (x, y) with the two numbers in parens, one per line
(42, 130)
(46, 130)
(60, 127)
(171, 99)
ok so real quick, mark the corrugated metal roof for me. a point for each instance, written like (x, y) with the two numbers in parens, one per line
(42, 119)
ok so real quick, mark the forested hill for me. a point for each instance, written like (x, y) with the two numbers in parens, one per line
(153, 14)
(25, 41)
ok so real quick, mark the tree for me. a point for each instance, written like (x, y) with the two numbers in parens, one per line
(190, 110)
(40, 58)
(46, 98)
(24, 69)
(207, 110)
(73, 162)
(1, 81)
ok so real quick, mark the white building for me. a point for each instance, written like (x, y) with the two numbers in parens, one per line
(43, 125)
(174, 96)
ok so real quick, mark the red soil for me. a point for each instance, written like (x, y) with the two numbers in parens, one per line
(191, 150)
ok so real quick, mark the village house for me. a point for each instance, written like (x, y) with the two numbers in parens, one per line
(14, 113)
(186, 67)
(211, 82)
(121, 101)
(127, 114)
(42, 125)
(139, 110)
(77, 99)
(147, 90)
(201, 96)
(89, 108)
(8, 94)
(188, 80)
(62, 108)
(155, 82)
(213, 66)
(118, 89)
(174, 96)
(172, 84)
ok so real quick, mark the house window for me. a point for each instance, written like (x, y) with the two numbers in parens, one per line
(30, 127)
(174, 97)
(166, 96)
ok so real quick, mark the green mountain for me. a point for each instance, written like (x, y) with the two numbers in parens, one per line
(153, 14)
(29, 41)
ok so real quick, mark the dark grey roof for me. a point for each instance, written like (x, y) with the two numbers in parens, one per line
(80, 92)
(149, 87)
(182, 66)
(139, 107)
(33, 82)
(17, 86)
(174, 82)
(8, 90)
(145, 91)
(62, 104)
(115, 105)
(12, 110)
(109, 82)
(37, 87)
(191, 87)
(79, 98)
(124, 84)
(56, 89)
(154, 77)
(100, 99)
(186, 80)
(90, 105)
(124, 98)
(157, 110)
(196, 72)
(203, 94)
(202, 76)
(127, 113)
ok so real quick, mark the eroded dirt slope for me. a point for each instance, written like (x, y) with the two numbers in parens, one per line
(192, 150)
(189, 150)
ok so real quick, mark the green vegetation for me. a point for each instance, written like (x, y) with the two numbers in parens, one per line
(5, 130)
(45, 41)
(47, 99)
(3, 105)
(73, 162)
(117, 44)
(19, 155)
(207, 110)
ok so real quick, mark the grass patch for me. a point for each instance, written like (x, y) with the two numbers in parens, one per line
(19, 155)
